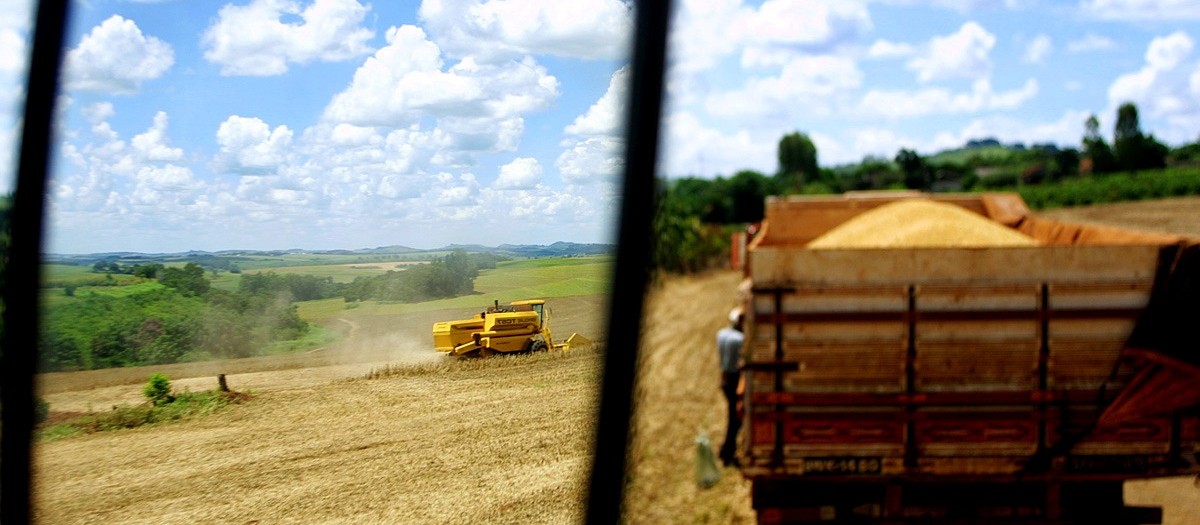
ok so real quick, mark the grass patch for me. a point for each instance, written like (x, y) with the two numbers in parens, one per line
(316, 336)
(1115, 187)
(343, 273)
(184, 406)
(509, 281)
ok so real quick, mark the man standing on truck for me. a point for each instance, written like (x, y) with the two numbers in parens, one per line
(729, 357)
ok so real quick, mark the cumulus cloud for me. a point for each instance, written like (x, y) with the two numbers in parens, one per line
(152, 144)
(521, 174)
(591, 159)
(500, 30)
(1167, 87)
(249, 144)
(906, 104)
(887, 49)
(605, 116)
(14, 34)
(126, 182)
(962, 54)
(692, 148)
(479, 106)
(770, 34)
(14, 38)
(255, 39)
(1038, 49)
(594, 150)
(799, 25)
(116, 57)
(1091, 42)
(1124, 10)
(810, 79)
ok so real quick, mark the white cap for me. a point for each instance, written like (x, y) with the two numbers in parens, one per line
(735, 314)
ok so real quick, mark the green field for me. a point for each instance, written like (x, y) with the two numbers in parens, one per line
(259, 262)
(341, 273)
(510, 281)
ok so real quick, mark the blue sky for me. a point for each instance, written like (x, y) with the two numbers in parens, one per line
(267, 124)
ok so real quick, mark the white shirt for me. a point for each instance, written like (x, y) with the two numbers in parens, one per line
(729, 349)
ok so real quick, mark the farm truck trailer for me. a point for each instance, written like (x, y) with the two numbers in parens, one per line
(965, 384)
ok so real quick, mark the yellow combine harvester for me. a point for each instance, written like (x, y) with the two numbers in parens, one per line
(520, 326)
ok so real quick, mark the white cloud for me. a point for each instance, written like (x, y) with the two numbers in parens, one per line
(116, 57)
(887, 49)
(807, 81)
(594, 150)
(1164, 88)
(478, 106)
(499, 30)
(703, 31)
(14, 39)
(110, 184)
(249, 144)
(591, 159)
(962, 54)
(152, 144)
(806, 25)
(522, 173)
(605, 116)
(1125, 10)
(1038, 49)
(14, 31)
(1167, 52)
(1065, 131)
(690, 148)
(255, 39)
(905, 104)
(1091, 42)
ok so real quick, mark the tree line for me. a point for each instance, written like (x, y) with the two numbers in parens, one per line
(176, 315)
(695, 215)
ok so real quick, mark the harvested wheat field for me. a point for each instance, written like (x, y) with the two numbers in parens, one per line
(1179, 215)
(427, 440)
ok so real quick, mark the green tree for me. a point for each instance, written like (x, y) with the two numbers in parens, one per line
(917, 175)
(1096, 149)
(797, 161)
(189, 280)
(1066, 163)
(747, 191)
(1134, 150)
(148, 271)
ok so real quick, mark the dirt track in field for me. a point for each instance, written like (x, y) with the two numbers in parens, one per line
(506, 441)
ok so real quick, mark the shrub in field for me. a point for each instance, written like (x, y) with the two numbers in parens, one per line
(182, 406)
(158, 390)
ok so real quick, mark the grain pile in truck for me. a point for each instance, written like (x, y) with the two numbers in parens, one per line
(919, 223)
(965, 382)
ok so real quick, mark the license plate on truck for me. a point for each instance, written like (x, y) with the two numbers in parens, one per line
(842, 465)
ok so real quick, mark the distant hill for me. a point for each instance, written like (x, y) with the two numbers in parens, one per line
(222, 258)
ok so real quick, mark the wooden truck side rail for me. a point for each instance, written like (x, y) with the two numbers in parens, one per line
(919, 367)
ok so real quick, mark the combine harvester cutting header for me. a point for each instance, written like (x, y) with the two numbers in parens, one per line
(520, 326)
(938, 380)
